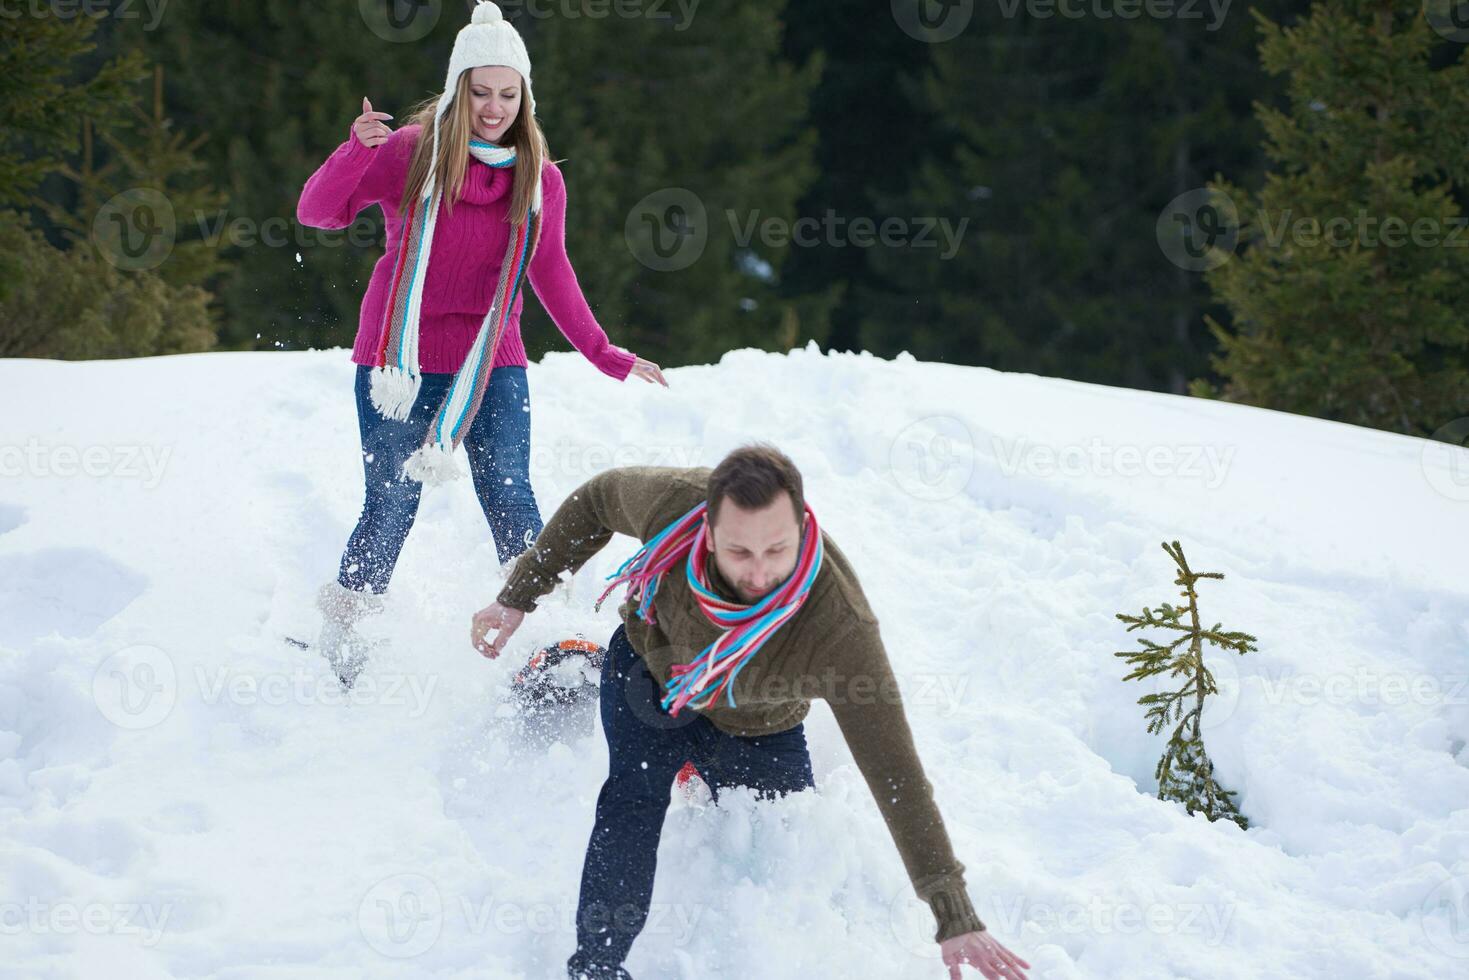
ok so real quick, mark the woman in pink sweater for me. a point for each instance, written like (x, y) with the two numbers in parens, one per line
(438, 348)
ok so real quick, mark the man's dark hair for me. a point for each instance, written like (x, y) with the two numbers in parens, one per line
(752, 476)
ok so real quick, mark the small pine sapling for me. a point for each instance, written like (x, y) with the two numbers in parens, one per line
(1185, 774)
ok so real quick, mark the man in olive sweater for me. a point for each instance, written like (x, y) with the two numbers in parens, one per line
(754, 528)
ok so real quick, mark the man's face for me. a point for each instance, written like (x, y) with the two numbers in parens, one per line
(755, 550)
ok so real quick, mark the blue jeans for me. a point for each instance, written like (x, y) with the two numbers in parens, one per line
(498, 444)
(646, 748)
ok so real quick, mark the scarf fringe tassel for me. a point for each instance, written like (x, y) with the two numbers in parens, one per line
(432, 465)
(393, 392)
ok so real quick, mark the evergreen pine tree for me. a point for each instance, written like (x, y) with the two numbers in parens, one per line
(129, 207)
(276, 85)
(1059, 141)
(1348, 294)
(870, 137)
(1185, 773)
(644, 108)
(74, 304)
(92, 298)
(43, 103)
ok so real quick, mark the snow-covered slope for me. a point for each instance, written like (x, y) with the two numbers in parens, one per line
(182, 794)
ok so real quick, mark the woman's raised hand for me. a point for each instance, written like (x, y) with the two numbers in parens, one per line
(369, 127)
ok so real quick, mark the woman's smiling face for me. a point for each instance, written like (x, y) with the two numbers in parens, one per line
(495, 95)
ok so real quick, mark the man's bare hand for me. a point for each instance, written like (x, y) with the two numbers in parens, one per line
(984, 952)
(494, 617)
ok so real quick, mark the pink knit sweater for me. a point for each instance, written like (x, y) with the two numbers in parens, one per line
(468, 250)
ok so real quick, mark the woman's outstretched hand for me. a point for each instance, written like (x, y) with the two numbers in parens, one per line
(648, 371)
(984, 952)
(369, 127)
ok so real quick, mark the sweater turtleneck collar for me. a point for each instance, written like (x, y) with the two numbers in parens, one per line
(484, 184)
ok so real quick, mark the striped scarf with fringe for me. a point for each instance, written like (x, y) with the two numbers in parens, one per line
(396, 379)
(746, 627)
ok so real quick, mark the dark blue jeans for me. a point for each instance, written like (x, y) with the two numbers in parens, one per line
(498, 444)
(646, 748)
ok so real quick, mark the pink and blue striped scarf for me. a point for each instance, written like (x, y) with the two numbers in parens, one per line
(746, 627)
(396, 380)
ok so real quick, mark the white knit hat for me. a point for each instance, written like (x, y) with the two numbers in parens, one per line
(488, 39)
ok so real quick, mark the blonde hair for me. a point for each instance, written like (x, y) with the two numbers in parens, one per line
(455, 129)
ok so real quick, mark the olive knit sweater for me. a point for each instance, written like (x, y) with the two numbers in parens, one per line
(830, 649)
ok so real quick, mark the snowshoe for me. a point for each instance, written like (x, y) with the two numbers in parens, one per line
(553, 692)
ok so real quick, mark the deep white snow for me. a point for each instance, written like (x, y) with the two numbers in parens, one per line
(183, 794)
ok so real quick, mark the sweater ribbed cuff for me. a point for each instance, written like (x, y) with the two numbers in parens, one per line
(522, 588)
(953, 912)
(356, 149)
(617, 363)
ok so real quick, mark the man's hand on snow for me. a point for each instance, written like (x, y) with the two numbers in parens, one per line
(984, 952)
(494, 617)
